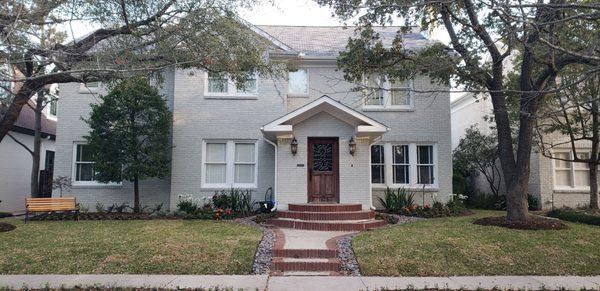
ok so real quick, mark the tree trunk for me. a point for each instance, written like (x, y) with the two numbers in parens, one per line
(594, 155)
(593, 186)
(37, 141)
(136, 195)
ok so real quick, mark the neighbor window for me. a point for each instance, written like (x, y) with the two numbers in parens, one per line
(221, 84)
(570, 175)
(229, 164)
(53, 107)
(84, 166)
(377, 165)
(398, 164)
(385, 94)
(298, 82)
(89, 87)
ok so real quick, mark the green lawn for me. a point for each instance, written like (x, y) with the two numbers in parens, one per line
(455, 246)
(137, 247)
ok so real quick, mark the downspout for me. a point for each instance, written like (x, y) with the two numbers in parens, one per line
(275, 170)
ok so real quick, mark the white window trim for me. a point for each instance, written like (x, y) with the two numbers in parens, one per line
(74, 172)
(412, 154)
(49, 114)
(296, 94)
(387, 100)
(231, 90)
(392, 156)
(230, 165)
(572, 171)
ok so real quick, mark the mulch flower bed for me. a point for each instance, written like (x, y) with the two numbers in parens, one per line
(533, 223)
(92, 216)
(4, 227)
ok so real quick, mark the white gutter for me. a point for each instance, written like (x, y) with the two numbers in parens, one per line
(275, 176)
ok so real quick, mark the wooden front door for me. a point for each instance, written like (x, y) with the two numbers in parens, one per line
(323, 170)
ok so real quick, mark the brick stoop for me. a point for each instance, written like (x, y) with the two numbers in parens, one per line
(316, 217)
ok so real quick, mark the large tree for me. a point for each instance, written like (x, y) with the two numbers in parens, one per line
(129, 135)
(572, 120)
(126, 37)
(544, 36)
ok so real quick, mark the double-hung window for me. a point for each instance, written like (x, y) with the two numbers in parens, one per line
(570, 175)
(377, 164)
(219, 84)
(401, 165)
(229, 164)
(298, 82)
(404, 164)
(425, 165)
(381, 93)
(83, 171)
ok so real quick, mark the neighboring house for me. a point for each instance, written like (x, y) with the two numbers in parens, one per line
(15, 165)
(555, 183)
(284, 133)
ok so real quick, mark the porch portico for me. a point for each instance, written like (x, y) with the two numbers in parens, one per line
(323, 154)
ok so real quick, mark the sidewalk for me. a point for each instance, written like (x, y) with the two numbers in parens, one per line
(277, 283)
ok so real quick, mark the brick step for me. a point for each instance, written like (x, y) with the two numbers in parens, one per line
(324, 207)
(315, 265)
(345, 215)
(327, 225)
(304, 253)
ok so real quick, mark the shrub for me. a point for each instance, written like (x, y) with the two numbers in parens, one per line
(459, 183)
(532, 201)
(574, 216)
(238, 200)
(394, 201)
(99, 207)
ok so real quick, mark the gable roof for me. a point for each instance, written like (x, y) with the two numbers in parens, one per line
(365, 126)
(26, 122)
(328, 41)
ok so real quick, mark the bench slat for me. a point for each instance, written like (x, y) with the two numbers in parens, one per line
(51, 204)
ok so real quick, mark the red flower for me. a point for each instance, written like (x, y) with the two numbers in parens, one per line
(426, 206)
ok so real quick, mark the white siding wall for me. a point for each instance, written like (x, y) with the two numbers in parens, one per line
(15, 170)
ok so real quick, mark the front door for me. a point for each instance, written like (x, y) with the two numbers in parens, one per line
(323, 170)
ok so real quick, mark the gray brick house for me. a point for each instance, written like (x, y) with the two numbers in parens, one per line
(309, 136)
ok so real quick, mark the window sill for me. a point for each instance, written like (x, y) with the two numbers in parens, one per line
(572, 190)
(91, 91)
(297, 95)
(231, 97)
(408, 187)
(96, 185)
(388, 109)
(226, 187)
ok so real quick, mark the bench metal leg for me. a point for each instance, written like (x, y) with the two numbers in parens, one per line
(26, 215)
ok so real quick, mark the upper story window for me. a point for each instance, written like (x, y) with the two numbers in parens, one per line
(53, 107)
(570, 175)
(404, 164)
(229, 164)
(298, 82)
(219, 84)
(381, 93)
(89, 87)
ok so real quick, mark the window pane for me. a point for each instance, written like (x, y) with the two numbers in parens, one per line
(247, 87)
(244, 174)
(53, 107)
(217, 83)
(400, 97)
(563, 178)
(244, 153)
(377, 176)
(560, 163)
(374, 92)
(401, 175)
(215, 152)
(582, 178)
(298, 82)
(377, 154)
(85, 172)
(401, 154)
(425, 154)
(425, 174)
(215, 173)
(83, 153)
(585, 156)
(92, 84)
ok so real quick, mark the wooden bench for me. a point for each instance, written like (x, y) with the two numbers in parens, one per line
(50, 205)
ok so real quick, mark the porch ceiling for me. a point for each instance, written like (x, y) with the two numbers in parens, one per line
(284, 126)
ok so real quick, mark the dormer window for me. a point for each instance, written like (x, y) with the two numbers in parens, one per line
(221, 85)
(383, 94)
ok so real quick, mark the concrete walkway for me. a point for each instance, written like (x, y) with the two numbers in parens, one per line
(300, 282)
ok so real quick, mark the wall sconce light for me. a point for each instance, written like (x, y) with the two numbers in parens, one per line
(294, 146)
(352, 146)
